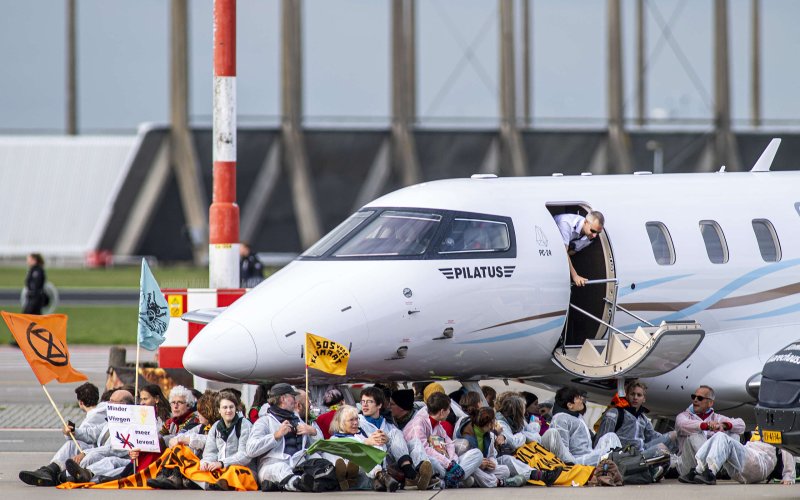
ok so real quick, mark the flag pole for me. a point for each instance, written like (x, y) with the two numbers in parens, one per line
(62, 418)
(305, 356)
(136, 373)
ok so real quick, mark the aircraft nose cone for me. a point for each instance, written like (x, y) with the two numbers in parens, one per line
(223, 350)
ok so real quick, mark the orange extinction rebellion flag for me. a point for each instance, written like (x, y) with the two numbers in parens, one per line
(326, 355)
(43, 342)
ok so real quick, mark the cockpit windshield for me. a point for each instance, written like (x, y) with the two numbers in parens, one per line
(393, 233)
(335, 236)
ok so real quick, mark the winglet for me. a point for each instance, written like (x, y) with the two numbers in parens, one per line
(765, 160)
(202, 316)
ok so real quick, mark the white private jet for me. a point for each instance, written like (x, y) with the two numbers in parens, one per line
(694, 280)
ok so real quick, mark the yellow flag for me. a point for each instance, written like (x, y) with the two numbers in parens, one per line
(326, 355)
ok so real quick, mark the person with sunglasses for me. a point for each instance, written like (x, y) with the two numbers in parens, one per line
(695, 426)
(577, 233)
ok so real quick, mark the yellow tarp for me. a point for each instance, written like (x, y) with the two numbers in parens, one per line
(539, 457)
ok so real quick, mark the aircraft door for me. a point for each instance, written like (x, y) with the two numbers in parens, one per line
(596, 263)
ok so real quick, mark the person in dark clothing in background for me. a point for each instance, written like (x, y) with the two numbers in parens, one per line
(252, 270)
(34, 288)
(34, 285)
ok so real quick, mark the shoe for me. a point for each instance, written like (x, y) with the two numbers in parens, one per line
(43, 476)
(340, 470)
(220, 485)
(706, 477)
(688, 478)
(268, 486)
(351, 473)
(658, 472)
(80, 474)
(188, 484)
(388, 483)
(424, 475)
(516, 481)
(549, 477)
(167, 479)
(467, 482)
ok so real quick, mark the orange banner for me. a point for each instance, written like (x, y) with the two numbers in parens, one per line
(43, 342)
(239, 478)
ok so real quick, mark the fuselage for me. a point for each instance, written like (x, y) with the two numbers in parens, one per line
(437, 309)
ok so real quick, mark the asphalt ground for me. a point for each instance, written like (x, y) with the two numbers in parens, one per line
(28, 439)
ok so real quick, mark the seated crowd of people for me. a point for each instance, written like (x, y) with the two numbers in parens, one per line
(431, 440)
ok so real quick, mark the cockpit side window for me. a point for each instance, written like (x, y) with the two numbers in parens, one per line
(475, 235)
(392, 233)
(331, 239)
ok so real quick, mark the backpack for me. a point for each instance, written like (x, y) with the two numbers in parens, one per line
(317, 475)
(606, 473)
(632, 465)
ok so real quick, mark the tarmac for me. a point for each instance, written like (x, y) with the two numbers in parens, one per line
(29, 435)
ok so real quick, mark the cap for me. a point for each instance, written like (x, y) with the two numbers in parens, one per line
(281, 389)
(404, 399)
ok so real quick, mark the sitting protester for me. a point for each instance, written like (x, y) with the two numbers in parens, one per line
(631, 425)
(86, 434)
(227, 439)
(478, 430)
(754, 462)
(345, 425)
(516, 433)
(426, 427)
(151, 395)
(259, 402)
(696, 425)
(409, 457)
(401, 405)
(278, 441)
(182, 402)
(455, 410)
(569, 437)
(510, 408)
(332, 400)
(103, 463)
(490, 394)
(195, 437)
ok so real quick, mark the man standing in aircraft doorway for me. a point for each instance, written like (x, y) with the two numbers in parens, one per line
(578, 232)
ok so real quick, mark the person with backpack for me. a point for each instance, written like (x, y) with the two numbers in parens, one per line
(568, 436)
(278, 441)
(227, 440)
(631, 425)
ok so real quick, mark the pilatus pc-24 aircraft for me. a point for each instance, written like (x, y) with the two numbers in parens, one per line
(695, 279)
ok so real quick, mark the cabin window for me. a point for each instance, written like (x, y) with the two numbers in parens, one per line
(331, 239)
(661, 243)
(714, 239)
(767, 239)
(474, 235)
(393, 233)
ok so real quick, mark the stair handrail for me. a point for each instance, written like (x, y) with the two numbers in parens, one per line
(619, 307)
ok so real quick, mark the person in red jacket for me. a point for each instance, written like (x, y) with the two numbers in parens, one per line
(332, 399)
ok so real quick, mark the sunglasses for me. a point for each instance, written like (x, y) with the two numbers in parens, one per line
(698, 398)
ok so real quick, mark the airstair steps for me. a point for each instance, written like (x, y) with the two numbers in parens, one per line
(632, 354)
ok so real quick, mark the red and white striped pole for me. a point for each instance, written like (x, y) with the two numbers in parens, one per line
(223, 251)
